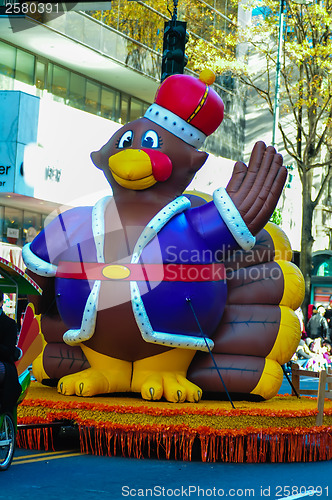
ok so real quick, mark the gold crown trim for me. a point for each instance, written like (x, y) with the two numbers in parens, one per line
(200, 105)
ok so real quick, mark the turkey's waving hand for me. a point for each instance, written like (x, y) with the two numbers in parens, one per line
(255, 190)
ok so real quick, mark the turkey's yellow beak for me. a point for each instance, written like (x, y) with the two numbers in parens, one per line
(140, 168)
(132, 169)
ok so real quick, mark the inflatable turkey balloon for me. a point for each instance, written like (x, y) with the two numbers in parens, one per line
(145, 293)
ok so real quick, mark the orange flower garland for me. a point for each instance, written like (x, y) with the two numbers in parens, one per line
(279, 430)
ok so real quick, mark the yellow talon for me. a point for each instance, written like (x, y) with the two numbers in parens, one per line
(199, 395)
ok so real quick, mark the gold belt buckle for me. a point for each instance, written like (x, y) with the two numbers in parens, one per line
(116, 272)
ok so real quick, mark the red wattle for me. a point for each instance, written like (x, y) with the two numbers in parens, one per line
(161, 164)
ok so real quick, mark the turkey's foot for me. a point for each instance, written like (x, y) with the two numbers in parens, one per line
(95, 381)
(164, 375)
(172, 386)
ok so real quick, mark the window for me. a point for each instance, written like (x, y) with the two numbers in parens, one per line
(124, 113)
(20, 226)
(110, 104)
(44, 220)
(77, 91)
(7, 60)
(40, 76)
(59, 81)
(25, 67)
(13, 221)
(137, 109)
(92, 98)
(31, 225)
(67, 87)
(325, 269)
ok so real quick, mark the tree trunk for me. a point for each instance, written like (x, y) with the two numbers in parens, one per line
(306, 237)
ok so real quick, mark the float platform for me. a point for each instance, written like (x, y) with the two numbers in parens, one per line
(279, 430)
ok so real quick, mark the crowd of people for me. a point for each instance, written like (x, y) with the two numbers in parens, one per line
(314, 351)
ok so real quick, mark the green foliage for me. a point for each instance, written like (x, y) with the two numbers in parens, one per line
(276, 217)
(207, 46)
(306, 75)
(305, 119)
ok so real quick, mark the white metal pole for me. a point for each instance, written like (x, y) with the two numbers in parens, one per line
(278, 69)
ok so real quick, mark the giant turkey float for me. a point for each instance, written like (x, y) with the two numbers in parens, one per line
(160, 310)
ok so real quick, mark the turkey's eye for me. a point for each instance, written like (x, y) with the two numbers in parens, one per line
(125, 140)
(151, 139)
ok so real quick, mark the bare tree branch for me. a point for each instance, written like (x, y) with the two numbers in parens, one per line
(323, 186)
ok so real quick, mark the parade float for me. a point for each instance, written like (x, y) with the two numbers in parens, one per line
(166, 319)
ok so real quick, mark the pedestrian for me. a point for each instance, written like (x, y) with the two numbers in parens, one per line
(299, 314)
(10, 388)
(317, 326)
(328, 316)
(311, 310)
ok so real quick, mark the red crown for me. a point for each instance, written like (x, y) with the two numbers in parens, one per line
(191, 100)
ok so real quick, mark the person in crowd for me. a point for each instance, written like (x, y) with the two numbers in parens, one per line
(321, 356)
(317, 326)
(299, 314)
(311, 310)
(303, 351)
(328, 316)
(326, 346)
(10, 388)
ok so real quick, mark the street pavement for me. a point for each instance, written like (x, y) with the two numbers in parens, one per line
(71, 476)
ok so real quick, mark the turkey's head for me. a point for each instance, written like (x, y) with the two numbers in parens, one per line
(160, 152)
